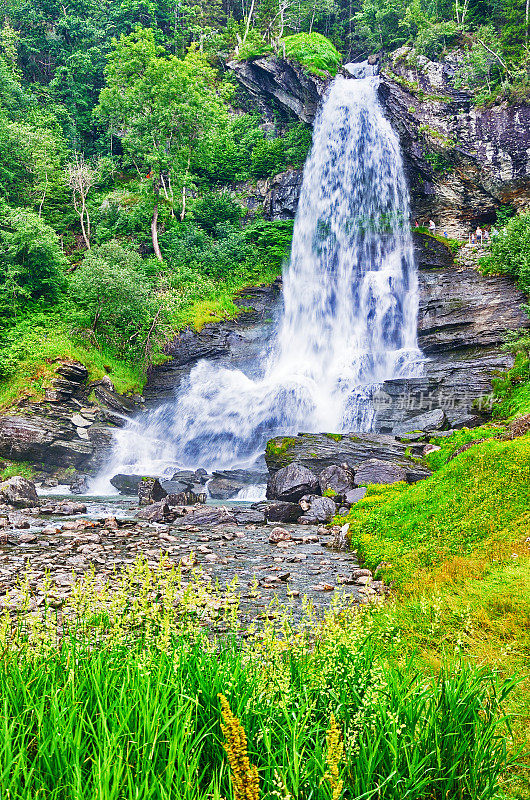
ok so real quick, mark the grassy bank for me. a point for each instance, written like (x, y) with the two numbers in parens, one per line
(456, 549)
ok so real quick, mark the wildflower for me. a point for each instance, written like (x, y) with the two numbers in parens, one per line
(334, 755)
(244, 776)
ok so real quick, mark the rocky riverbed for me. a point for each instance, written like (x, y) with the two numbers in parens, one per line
(259, 562)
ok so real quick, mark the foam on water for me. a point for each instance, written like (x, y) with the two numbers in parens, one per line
(349, 319)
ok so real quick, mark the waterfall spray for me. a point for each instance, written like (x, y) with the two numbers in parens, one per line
(349, 318)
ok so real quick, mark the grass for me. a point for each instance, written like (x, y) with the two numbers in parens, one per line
(478, 500)
(37, 344)
(119, 698)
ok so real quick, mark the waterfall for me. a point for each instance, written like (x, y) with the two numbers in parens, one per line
(349, 316)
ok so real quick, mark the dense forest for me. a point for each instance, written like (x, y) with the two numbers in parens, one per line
(127, 148)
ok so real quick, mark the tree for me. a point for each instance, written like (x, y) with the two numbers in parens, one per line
(32, 264)
(114, 299)
(81, 178)
(161, 107)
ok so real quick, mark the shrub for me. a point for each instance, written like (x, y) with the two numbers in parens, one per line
(115, 303)
(510, 251)
(32, 264)
(313, 51)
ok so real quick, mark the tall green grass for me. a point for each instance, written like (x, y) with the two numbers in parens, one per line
(117, 697)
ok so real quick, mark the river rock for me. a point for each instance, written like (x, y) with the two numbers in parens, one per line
(429, 422)
(150, 491)
(291, 483)
(280, 511)
(374, 470)
(279, 535)
(249, 516)
(19, 492)
(127, 484)
(338, 479)
(158, 512)
(318, 509)
(223, 488)
(354, 495)
(209, 516)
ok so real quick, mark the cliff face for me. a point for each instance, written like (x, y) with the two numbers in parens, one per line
(462, 161)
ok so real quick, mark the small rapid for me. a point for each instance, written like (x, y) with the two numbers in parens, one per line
(350, 299)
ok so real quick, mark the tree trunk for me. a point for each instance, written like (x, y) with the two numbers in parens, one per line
(154, 219)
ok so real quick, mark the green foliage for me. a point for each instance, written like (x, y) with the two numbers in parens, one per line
(438, 162)
(509, 252)
(479, 496)
(313, 51)
(32, 264)
(114, 301)
(215, 208)
(271, 156)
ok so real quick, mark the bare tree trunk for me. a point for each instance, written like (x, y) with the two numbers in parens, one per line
(43, 195)
(154, 219)
(527, 19)
(249, 19)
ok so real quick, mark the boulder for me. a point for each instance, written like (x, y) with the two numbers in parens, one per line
(320, 509)
(249, 516)
(173, 487)
(279, 535)
(429, 422)
(223, 488)
(19, 492)
(374, 470)
(354, 495)
(280, 511)
(338, 480)
(209, 517)
(189, 477)
(150, 491)
(158, 512)
(291, 483)
(127, 484)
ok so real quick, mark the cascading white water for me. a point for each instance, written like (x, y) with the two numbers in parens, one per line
(349, 319)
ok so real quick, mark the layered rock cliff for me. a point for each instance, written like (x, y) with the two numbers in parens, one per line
(462, 161)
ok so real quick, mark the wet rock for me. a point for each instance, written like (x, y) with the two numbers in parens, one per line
(291, 483)
(434, 420)
(283, 81)
(318, 509)
(339, 539)
(249, 516)
(279, 535)
(354, 495)
(209, 516)
(374, 470)
(63, 509)
(337, 479)
(127, 484)
(150, 491)
(224, 488)
(190, 477)
(173, 487)
(157, 512)
(279, 511)
(19, 492)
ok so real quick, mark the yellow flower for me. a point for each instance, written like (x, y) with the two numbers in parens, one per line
(244, 776)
